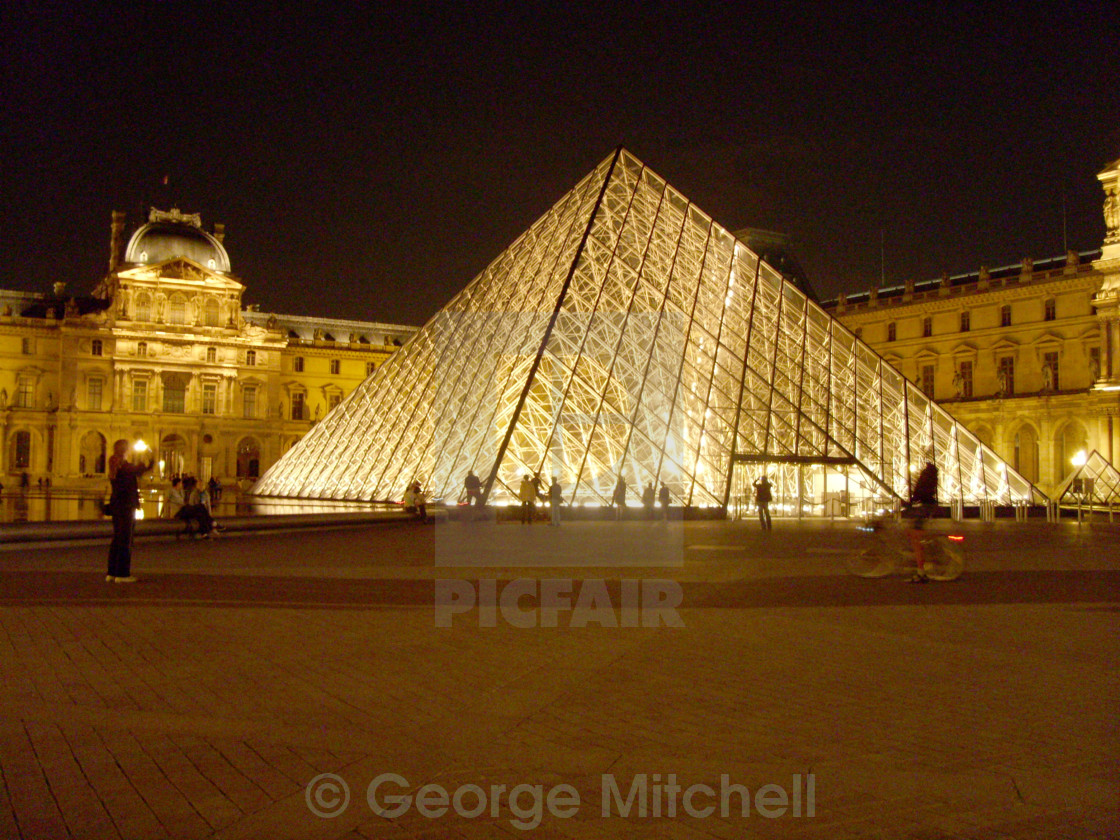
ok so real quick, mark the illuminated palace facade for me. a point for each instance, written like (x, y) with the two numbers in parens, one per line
(1026, 356)
(164, 350)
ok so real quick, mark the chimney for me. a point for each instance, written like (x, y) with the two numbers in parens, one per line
(219, 232)
(116, 247)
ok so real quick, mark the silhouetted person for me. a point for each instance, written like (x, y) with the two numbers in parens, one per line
(528, 496)
(474, 489)
(619, 497)
(762, 497)
(648, 497)
(663, 497)
(555, 496)
(923, 498)
(123, 503)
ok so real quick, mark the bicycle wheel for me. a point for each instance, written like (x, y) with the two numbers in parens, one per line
(943, 559)
(870, 562)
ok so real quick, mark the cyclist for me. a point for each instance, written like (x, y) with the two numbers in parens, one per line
(924, 497)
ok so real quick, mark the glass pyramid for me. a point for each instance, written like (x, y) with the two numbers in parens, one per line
(627, 337)
(1096, 482)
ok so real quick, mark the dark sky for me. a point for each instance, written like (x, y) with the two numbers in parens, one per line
(367, 164)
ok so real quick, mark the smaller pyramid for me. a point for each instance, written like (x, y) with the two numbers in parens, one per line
(1096, 482)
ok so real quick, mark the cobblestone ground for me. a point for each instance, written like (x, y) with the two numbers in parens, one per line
(203, 700)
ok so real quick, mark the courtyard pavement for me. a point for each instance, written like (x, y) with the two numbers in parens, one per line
(210, 699)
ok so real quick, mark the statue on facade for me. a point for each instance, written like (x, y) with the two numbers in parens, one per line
(1111, 211)
(958, 383)
(3, 398)
(1094, 369)
(72, 308)
(1001, 383)
(1047, 378)
(51, 406)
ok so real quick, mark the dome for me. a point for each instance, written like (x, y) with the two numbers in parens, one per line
(174, 234)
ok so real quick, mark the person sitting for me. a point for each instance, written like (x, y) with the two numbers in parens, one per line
(195, 511)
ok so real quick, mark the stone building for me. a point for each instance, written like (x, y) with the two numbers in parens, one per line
(1027, 355)
(165, 350)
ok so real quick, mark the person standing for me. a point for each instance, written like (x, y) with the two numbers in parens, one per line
(123, 502)
(647, 500)
(474, 490)
(555, 496)
(762, 497)
(663, 497)
(618, 500)
(527, 493)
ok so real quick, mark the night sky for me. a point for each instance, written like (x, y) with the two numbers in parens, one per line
(367, 164)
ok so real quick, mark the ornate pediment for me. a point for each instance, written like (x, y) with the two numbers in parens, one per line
(180, 270)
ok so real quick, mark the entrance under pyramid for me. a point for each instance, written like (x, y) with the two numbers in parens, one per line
(627, 340)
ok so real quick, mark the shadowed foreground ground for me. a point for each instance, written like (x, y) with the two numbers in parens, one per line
(201, 701)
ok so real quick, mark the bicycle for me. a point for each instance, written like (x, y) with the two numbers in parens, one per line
(943, 555)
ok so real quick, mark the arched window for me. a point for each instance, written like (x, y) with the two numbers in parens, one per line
(91, 457)
(177, 310)
(250, 357)
(211, 312)
(141, 348)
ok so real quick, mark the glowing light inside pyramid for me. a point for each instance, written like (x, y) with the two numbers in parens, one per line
(626, 336)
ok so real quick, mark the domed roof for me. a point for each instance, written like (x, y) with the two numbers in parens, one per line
(172, 234)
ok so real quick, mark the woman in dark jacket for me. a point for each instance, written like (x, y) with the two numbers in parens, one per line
(123, 502)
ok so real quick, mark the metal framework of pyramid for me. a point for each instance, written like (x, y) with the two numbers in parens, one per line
(625, 335)
(1096, 482)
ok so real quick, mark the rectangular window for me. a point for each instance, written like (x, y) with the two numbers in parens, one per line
(1050, 372)
(211, 354)
(892, 331)
(250, 357)
(93, 395)
(209, 398)
(23, 450)
(1005, 378)
(966, 321)
(966, 379)
(370, 368)
(142, 348)
(25, 392)
(297, 406)
(1050, 310)
(333, 400)
(28, 347)
(927, 327)
(297, 364)
(1005, 315)
(95, 347)
(336, 366)
(249, 400)
(927, 379)
(140, 395)
(174, 398)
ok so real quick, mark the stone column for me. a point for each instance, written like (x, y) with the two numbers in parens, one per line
(1107, 301)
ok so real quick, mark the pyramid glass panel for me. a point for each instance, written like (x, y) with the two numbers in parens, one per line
(627, 339)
